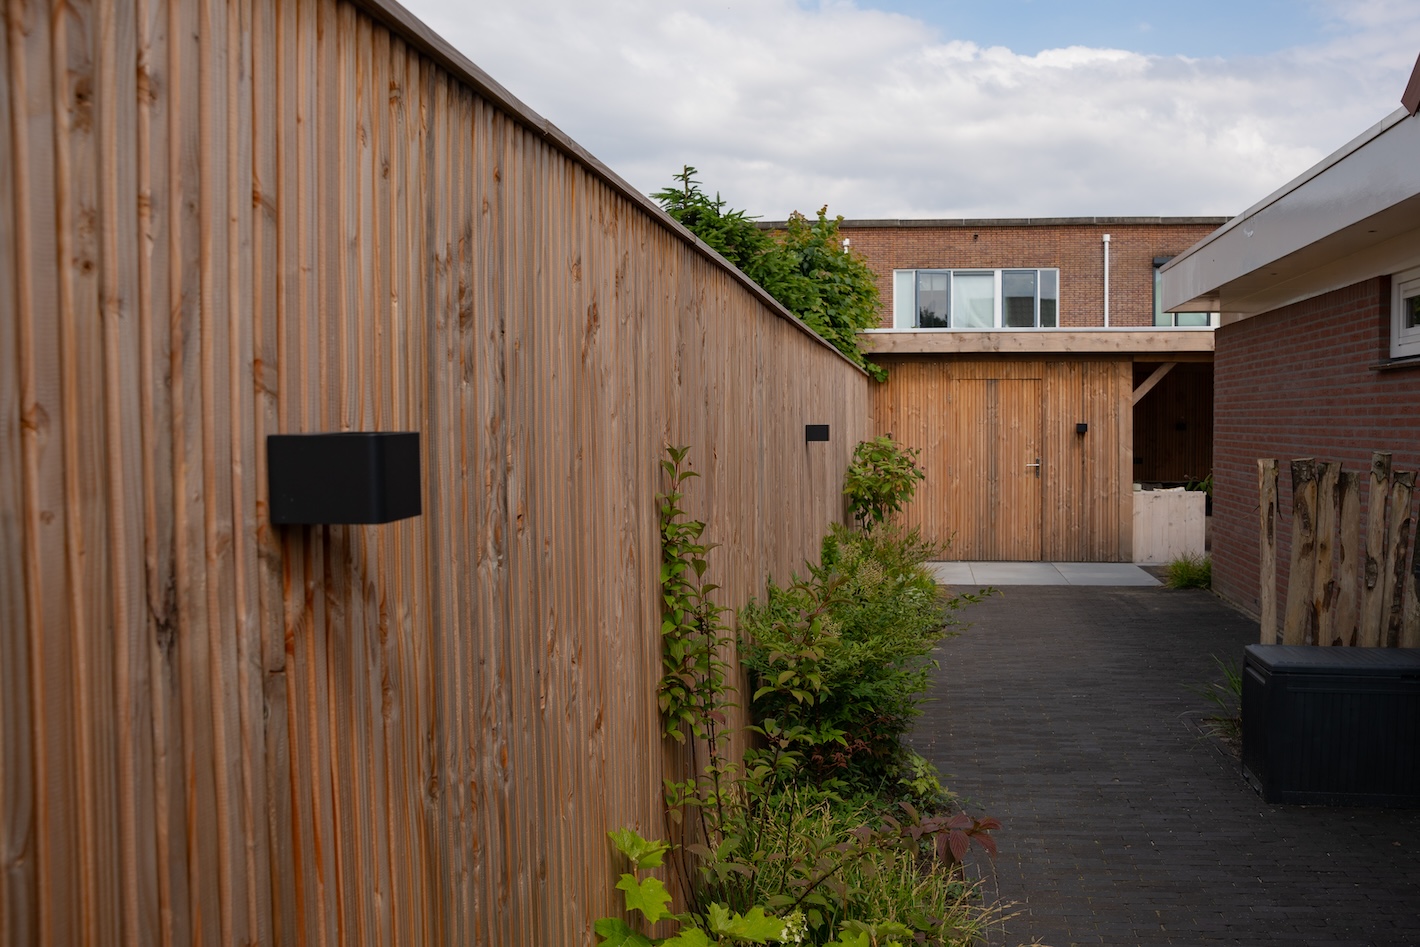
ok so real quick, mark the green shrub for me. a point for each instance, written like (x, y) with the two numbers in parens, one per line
(1190, 572)
(844, 656)
(757, 852)
(880, 480)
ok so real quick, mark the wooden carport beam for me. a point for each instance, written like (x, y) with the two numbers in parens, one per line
(1153, 380)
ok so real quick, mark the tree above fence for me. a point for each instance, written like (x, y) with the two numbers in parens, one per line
(805, 268)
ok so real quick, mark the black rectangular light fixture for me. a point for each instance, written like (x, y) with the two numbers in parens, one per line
(1081, 427)
(346, 477)
(815, 432)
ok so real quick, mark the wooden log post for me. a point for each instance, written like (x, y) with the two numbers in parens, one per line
(1299, 621)
(1410, 608)
(1323, 578)
(1368, 630)
(1349, 556)
(1402, 485)
(1267, 552)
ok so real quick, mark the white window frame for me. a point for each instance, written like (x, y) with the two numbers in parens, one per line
(904, 304)
(1404, 342)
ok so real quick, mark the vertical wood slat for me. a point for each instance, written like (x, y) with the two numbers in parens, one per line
(1373, 604)
(1267, 554)
(1299, 620)
(1349, 554)
(1324, 589)
(116, 107)
(19, 874)
(1397, 550)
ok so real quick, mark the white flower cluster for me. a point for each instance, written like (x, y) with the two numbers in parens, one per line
(796, 928)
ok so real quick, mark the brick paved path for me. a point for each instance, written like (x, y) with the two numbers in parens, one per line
(1063, 711)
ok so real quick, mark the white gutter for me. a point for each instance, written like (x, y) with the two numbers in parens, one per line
(1106, 281)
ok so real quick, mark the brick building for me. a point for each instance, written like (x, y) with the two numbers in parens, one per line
(1030, 362)
(1318, 353)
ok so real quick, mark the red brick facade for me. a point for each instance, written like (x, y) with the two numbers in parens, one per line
(1074, 245)
(1302, 382)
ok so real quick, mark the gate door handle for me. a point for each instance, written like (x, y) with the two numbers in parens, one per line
(1036, 465)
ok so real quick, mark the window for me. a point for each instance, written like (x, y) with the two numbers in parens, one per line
(975, 299)
(1176, 319)
(1405, 314)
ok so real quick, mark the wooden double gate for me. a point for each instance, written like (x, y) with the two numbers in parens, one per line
(1009, 475)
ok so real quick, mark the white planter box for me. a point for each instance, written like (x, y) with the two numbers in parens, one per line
(1168, 524)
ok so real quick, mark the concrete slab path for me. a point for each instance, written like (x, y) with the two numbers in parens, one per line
(1065, 712)
(968, 574)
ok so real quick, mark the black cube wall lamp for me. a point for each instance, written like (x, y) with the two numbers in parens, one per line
(815, 432)
(347, 477)
(1081, 427)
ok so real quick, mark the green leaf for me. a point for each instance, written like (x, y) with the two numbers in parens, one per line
(615, 933)
(642, 852)
(688, 937)
(755, 926)
(650, 897)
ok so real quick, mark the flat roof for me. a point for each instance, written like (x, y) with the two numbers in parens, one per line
(1352, 216)
(1131, 342)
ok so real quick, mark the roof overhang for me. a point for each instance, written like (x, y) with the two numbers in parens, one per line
(1120, 342)
(1353, 216)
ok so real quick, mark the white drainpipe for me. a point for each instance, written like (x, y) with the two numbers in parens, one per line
(1106, 281)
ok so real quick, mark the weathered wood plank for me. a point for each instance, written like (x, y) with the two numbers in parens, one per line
(1324, 591)
(1299, 621)
(1350, 555)
(1410, 601)
(117, 101)
(1397, 551)
(1267, 553)
(19, 874)
(1373, 605)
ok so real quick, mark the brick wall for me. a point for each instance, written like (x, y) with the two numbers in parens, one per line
(1300, 382)
(1076, 248)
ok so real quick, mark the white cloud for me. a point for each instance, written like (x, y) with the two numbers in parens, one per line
(787, 108)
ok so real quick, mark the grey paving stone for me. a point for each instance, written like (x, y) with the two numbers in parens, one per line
(1065, 712)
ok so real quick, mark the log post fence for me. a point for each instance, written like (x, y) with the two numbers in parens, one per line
(1340, 591)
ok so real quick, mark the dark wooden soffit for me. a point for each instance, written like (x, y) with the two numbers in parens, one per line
(1410, 98)
(417, 34)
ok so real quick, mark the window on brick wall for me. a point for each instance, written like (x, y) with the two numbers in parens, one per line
(1176, 319)
(975, 299)
(1405, 314)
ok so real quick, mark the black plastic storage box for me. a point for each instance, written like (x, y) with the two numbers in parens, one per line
(1332, 726)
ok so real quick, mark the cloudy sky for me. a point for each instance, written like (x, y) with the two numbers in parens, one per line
(951, 108)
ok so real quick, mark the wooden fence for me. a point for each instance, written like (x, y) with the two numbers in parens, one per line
(1339, 590)
(227, 219)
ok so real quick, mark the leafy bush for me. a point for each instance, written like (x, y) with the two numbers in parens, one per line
(808, 866)
(760, 853)
(1190, 572)
(843, 656)
(880, 480)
